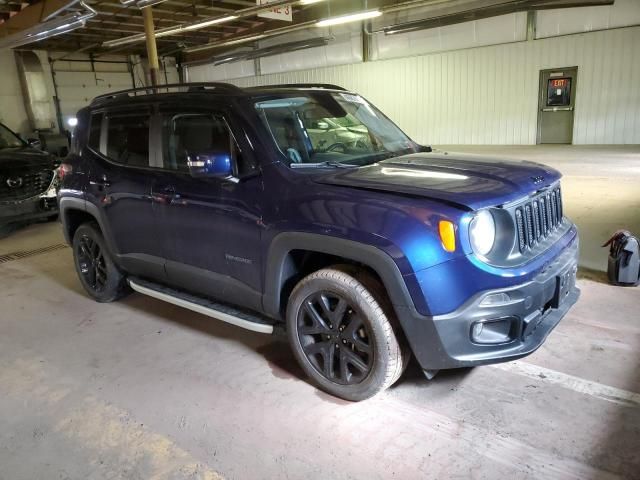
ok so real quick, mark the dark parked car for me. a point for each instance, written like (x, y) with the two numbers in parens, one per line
(28, 181)
(217, 199)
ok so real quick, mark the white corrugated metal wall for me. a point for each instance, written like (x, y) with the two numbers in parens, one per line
(12, 111)
(489, 94)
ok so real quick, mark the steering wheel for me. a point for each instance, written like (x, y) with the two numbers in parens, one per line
(334, 146)
(361, 144)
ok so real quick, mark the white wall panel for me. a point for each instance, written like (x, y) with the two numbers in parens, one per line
(489, 95)
(622, 13)
(12, 111)
(346, 48)
(79, 81)
(213, 73)
(77, 89)
(488, 31)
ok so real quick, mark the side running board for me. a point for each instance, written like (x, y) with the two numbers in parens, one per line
(206, 307)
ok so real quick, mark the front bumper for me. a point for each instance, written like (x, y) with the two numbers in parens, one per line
(44, 205)
(514, 324)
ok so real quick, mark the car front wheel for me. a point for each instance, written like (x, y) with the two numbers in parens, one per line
(98, 273)
(341, 329)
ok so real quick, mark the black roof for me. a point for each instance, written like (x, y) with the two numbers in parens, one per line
(217, 88)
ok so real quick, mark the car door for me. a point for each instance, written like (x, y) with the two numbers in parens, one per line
(209, 222)
(120, 188)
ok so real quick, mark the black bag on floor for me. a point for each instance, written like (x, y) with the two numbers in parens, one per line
(624, 259)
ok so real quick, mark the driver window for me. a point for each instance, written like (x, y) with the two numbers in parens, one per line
(189, 134)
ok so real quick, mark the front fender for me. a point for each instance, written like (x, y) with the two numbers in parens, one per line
(375, 258)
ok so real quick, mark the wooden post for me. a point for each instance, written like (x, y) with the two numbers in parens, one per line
(152, 51)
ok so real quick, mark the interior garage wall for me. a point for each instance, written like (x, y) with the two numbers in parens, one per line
(78, 79)
(12, 111)
(489, 94)
(345, 48)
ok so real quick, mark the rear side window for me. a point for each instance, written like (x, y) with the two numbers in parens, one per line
(94, 131)
(128, 139)
(192, 134)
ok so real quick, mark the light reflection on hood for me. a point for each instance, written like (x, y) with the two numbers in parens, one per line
(406, 172)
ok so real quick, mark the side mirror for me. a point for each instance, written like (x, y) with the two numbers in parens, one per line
(322, 125)
(210, 164)
(34, 142)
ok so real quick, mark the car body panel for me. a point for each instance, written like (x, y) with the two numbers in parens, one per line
(28, 183)
(471, 181)
(232, 238)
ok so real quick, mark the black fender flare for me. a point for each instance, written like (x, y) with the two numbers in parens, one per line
(419, 330)
(70, 203)
(369, 255)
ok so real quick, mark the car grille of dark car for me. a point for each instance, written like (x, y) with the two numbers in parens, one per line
(20, 186)
(538, 218)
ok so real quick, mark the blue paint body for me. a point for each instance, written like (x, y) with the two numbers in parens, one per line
(214, 237)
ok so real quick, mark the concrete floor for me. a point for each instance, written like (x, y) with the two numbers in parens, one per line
(140, 389)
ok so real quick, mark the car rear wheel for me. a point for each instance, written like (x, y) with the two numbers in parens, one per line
(98, 273)
(341, 329)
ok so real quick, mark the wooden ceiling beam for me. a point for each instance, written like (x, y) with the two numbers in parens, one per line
(30, 16)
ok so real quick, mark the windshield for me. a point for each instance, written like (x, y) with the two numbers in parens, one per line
(319, 127)
(9, 139)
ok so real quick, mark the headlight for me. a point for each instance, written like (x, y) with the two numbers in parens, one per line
(482, 232)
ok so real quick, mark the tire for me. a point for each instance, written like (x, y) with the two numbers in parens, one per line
(98, 274)
(343, 333)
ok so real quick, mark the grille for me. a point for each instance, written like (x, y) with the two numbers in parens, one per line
(20, 186)
(538, 217)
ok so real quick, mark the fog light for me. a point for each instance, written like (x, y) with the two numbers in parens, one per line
(495, 299)
(477, 330)
(494, 331)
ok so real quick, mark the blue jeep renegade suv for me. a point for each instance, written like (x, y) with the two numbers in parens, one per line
(303, 208)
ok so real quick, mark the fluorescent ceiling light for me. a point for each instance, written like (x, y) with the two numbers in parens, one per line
(354, 17)
(192, 26)
(167, 31)
(206, 23)
(148, 3)
(271, 50)
(242, 13)
(50, 28)
(141, 3)
(224, 44)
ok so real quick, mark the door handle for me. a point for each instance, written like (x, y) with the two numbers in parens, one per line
(102, 183)
(558, 109)
(164, 195)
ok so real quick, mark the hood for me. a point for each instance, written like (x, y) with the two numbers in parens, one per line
(21, 158)
(470, 181)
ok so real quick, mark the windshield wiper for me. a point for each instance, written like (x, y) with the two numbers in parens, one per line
(326, 163)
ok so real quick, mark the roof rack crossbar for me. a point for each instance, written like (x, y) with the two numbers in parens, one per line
(190, 87)
(327, 86)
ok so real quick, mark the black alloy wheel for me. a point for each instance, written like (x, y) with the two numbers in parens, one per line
(334, 338)
(98, 274)
(342, 329)
(92, 263)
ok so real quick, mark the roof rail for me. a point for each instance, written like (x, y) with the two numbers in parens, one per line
(189, 87)
(327, 86)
